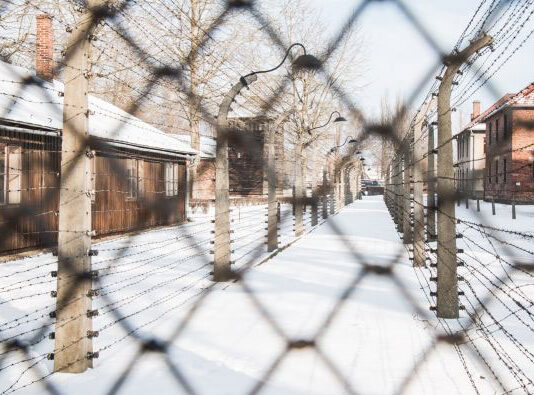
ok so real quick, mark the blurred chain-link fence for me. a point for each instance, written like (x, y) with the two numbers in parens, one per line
(79, 168)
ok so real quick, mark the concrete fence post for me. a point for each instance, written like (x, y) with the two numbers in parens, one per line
(222, 257)
(272, 206)
(325, 195)
(419, 252)
(406, 194)
(73, 334)
(398, 193)
(431, 187)
(447, 264)
(299, 188)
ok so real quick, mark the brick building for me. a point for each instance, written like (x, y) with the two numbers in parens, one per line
(509, 148)
(247, 156)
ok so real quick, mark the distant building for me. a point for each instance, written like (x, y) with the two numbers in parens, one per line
(509, 148)
(470, 163)
(247, 156)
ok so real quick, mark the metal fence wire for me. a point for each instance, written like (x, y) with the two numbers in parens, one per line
(474, 301)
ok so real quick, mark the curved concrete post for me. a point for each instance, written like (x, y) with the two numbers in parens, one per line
(222, 255)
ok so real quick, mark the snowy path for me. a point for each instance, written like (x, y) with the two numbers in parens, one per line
(373, 341)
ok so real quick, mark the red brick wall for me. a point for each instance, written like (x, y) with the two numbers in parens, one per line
(44, 52)
(523, 151)
(516, 147)
(204, 185)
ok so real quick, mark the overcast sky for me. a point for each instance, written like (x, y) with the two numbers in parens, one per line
(397, 57)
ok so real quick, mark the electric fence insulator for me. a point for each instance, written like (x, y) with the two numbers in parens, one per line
(93, 355)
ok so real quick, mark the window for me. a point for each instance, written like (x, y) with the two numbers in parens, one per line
(3, 175)
(489, 172)
(504, 170)
(497, 171)
(133, 181)
(171, 179)
(467, 147)
(466, 178)
(505, 126)
(496, 130)
(10, 174)
(490, 133)
(92, 163)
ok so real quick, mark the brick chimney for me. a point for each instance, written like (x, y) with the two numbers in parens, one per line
(44, 53)
(476, 109)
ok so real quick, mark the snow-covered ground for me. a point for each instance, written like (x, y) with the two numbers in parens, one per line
(499, 299)
(369, 343)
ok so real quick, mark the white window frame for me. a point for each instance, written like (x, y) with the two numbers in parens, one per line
(92, 166)
(12, 175)
(172, 179)
(132, 184)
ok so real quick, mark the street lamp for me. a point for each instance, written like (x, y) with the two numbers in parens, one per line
(222, 252)
(339, 118)
(305, 62)
(348, 139)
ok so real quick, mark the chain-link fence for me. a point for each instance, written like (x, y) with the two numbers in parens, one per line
(79, 168)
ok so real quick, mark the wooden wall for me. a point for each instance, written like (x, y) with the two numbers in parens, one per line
(114, 212)
(34, 222)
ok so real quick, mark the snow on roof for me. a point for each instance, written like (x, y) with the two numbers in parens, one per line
(478, 123)
(207, 144)
(525, 97)
(40, 103)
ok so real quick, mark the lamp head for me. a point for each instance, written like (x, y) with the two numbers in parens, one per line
(352, 141)
(307, 62)
(340, 119)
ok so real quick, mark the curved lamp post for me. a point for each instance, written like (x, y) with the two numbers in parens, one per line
(339, 118)
(222, 250)
(306, 62)
(348, 139)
